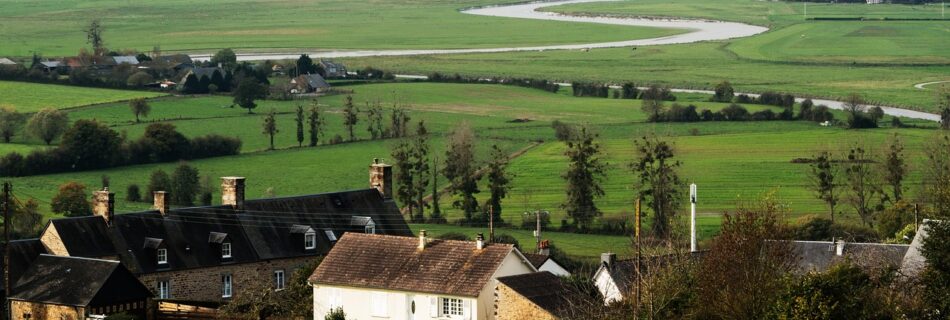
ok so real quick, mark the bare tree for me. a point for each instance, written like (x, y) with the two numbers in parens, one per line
(658, 182)
(863, 183)
(94, 37)
(894, 167)
(823, 174)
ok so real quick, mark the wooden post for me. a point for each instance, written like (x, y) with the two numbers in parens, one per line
(639, 252)
(537, 231)
(6, 247)
(916, 217)
(491, 223)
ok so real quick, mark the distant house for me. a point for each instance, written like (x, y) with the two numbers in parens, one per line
(7, 62)
(819, 256)
(534, 296)
(132, 60)
(543, 262)
(333, 69)
(96, 63)
(200, 73)
(379, 276)
(50, 66)
(615, 279)
(176, 62)
(57, 287)
(309, 83)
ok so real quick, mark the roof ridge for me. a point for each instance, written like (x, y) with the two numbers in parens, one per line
(79, 258)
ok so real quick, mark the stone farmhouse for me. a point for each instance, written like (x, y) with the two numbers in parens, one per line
(537, 296)
(213, 253)
(382, 276)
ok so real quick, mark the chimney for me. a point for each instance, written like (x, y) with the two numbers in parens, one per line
(232, 192)
(544, 248)
(839, 247)
(422, 239)
(608, 259)
(381, 178)
(160, 202)
(480, 241)
(103, 204)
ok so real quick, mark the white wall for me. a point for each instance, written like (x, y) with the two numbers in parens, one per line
(607, 286)
(554, 268)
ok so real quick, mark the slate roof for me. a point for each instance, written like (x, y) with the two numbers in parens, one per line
(6, 61)
(448, 267)
(314, 81)
(262, 231)
(821, 255)
(537, 260)
(133, 60)
(22, 254)
(76, 281)
(544, 289)
(914, 260)
(51, 64)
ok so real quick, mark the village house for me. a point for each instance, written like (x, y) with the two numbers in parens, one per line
(536, 296)
(543, 261)
(200, 73)
(176, 62)
(332, 69)
(7, 62)
(72, 288)
(130, 60)
(381, 276)
(212, 253)
(50, 66)
(309, 83)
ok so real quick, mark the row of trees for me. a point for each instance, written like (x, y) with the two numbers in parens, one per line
(88, 144)
(539, 84)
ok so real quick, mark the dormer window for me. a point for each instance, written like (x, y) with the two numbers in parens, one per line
(365, 224)
(330, 235)
(226, 250)
(162, 256)
(310, 240)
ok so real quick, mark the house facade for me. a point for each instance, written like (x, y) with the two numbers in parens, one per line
(214, 253)
(309, 83)
(333, 69)
(544, 262)
(378, 276)
(536, 296)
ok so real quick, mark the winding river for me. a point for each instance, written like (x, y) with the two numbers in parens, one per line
(698, 30)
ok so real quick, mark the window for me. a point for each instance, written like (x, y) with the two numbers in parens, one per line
(451, 307)
(330, 235)
(226, 286)
(279, 279)
(310, 240)
(162, 256)
(370, 229)
(226, 250)
(380, 304)
(163, 292)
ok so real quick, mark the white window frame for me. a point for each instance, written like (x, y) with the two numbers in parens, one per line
(161, 255)
(279, 280)
(164, 290)
(226, 250)
(226, 288)
(370, 229)
(379, 304)
(451, 307)
(310, 240)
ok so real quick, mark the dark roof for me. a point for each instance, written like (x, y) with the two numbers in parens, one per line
(78, 282)
(536, 259)
(314, 81)
(174, 59)
(260, 232)
(447, 267)
(544, 289)
(22, 254)
(821, 255)
(206, 72)
(51, 64)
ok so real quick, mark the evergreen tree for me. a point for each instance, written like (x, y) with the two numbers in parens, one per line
(420, 168)
(184, 185)
(498, 181)
(584, 177)
(401, 153)
(436, 216)
(158, 181)
(299, 120)
(315, 124)
(460, 168)
(270, 126)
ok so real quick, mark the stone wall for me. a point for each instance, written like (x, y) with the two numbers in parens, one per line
(513, 306)
(23, 310)
(205, 284)
(52, 242)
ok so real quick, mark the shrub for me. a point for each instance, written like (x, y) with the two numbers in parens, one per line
(764, 115)
(214, 145)
(12, 165)
(893, 219)
(735, 112)
(507, 238)
(454, 236)
(71, 200)
(133, 194)
(530, 221)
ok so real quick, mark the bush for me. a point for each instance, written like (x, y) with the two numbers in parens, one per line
(764, 115)
(133, 193)
(814, 228)
(735, 112)
(893, 219)
(454, 236)
(530, 221)
(214, 145)
(335, 314)
(507, 238)
(12, 165)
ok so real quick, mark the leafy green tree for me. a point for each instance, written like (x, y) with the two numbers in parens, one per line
(48, 124)
(858, 118)
(401, 153)
(158, 181)
(374, 119)
(843, 292)
(133, 193)
(936, 275)
(94, 37)
(724, 92)
(140, 108)
(71, 200)
(876, 113)
(823, 175)
(184, 185)
(398, 122)
(305, 65)
(165, 143)
(499, 181)
(10, 122)
(335, 314)
(350, 116)
(270, 126)
(658, 182)
(91, 145)
(225, 57)
(584, 175)
(247, 91)
(315, 124)
(420, 168)
(298, 119)
(461, 169)
(652, 102)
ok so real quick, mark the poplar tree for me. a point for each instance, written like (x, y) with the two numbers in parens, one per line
(460, 169)
(270, 127)
(584, 176)
(299, 120)
(315, 124)
(499, 181)
(658, 183)
(350, 116)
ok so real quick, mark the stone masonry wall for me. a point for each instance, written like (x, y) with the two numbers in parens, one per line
(204, 284)
(53, 243)
(32, 311)
(513, 306)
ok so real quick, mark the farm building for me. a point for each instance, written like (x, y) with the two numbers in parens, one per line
(413, 278)
(309, 83)
(333, 69)
(132, 60)
(57, 287)
(7, 62)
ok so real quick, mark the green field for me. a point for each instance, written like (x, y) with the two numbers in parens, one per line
(31, 97)
(178, 25)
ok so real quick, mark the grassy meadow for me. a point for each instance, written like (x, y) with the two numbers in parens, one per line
(31, 97)
(176, 25)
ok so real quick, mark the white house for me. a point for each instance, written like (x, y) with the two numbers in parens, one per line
(543, 262)
(391, 277)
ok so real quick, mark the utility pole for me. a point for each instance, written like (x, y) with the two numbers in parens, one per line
(916, 217)
(537, 230)
(692, 217)
(6, 247)
(491, 223)
(637, 235)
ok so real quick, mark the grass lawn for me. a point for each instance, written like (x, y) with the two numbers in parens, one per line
(31, 97)
(176, 25)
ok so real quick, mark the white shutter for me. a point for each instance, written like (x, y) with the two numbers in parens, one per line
(466, 309)
(433, 307)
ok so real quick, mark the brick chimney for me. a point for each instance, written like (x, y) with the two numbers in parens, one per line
(160, 202)
(103, 204)
(422, 239)
(608, 259)
(544, 247)
(232, 192)
(381, 178)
